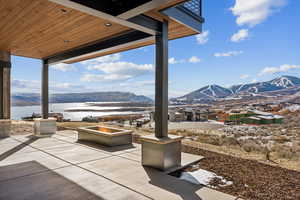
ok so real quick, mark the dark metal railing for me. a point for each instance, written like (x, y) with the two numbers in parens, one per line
(188, 13)
(193, 6)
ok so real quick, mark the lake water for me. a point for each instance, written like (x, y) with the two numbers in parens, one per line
(19, 112)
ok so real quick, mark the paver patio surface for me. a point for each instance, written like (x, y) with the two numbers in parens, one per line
(60, 168)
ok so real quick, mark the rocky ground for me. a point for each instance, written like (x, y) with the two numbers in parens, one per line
(277, 143)
(251, 180)
(253, 177)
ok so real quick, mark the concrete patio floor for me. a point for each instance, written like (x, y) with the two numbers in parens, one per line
(60, 168)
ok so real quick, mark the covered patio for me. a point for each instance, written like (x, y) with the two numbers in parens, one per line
(60, 168)
(69, 31)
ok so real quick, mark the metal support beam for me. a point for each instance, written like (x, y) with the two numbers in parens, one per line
(100, 14)
(123, 40)
(144, 8)
(161, 83)
(45, 90)
(147, 22)
(112, 7)
(5, 68)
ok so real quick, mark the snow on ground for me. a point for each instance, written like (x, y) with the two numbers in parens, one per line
(293, 108)
(203, 177)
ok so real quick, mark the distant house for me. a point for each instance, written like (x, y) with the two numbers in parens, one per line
(251, 120)
(251, 116)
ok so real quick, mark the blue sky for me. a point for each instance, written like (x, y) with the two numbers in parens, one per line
(243, 41)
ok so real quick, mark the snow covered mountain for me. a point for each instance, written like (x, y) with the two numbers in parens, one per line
(273, 85)
(286, 81)
(214, 92)
(209, 92)
(254, 88)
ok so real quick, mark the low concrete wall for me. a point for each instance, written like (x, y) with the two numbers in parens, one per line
(5, 128)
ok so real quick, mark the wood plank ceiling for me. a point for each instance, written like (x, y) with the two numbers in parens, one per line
(39, 28)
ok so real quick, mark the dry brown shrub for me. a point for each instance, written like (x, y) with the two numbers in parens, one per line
(229, 141)
(210, 139)
(281, 139)
(252, 146)
(287, 152)
(183, 132)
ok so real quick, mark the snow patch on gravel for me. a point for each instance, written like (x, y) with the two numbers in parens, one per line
(203, 177)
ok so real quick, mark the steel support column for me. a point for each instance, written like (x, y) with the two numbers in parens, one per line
(45, 90)
(5, 68)
(161, 82)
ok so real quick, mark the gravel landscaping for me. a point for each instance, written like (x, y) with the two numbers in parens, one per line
(251, 180)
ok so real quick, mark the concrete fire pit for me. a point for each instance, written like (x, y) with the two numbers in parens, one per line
(105, 135)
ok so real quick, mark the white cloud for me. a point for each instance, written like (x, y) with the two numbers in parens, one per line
(282, 68)
(66, 86)
(103, 59)
(240, 35)
(104, 77)
(116, 71)
(254, 81)
(20, 85)
(253, 12)
(63, 67)
(244, 76)
(113, 69)
(228, 54)
(127, 68)
(34, 86)
(173, 61)
(203, 37)
(194, 59)
(138, 83)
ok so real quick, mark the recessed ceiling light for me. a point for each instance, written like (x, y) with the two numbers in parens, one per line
(63, 10)
(107, 24)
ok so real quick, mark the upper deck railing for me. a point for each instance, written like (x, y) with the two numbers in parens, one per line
(193, 6)
(188, 13)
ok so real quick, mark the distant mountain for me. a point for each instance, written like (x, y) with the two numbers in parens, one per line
(254, 88)
(210, 92)
(26, 99)
(273, 85)
(283, 85)
(35, 99)
(286, 81)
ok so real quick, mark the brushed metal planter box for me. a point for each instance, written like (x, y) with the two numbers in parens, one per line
(44, 127)
(105, 135)
(5, 127)
(161, 153)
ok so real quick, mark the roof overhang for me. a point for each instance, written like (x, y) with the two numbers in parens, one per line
(75, 30)
(91, 8)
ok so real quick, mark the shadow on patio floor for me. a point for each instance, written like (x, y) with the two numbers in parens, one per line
(186, 190)
(18, 148)
(45, 185)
